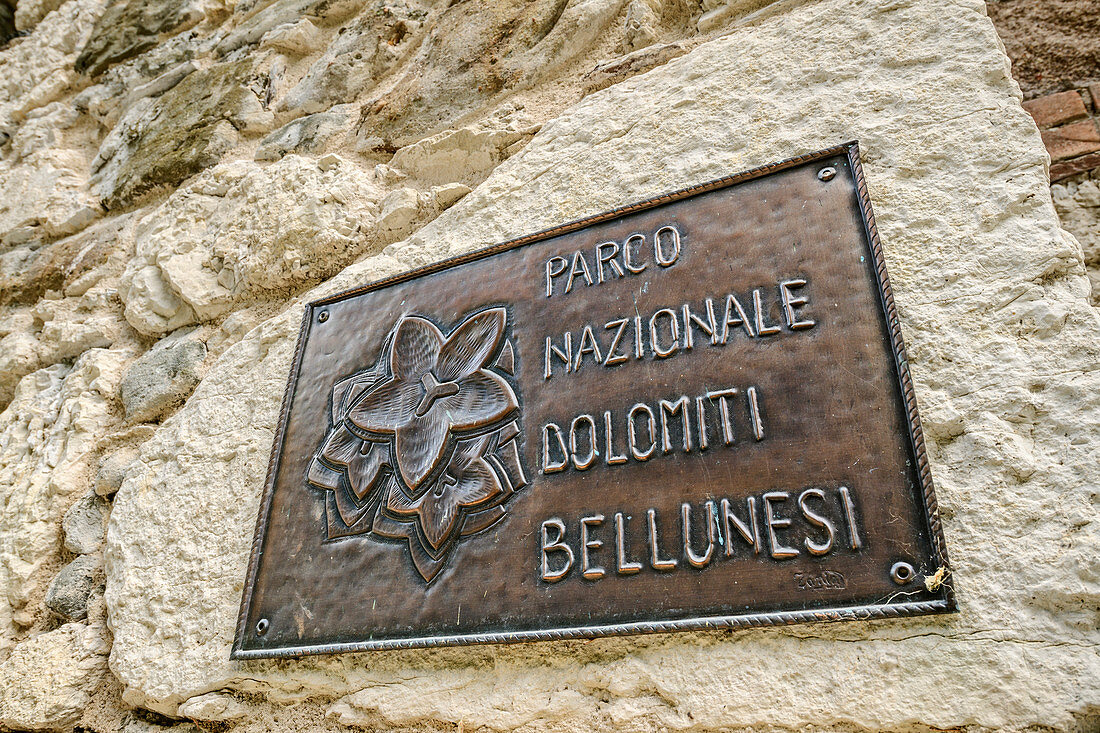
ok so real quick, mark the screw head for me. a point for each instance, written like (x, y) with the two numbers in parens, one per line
(262, 626)
(902, 573)
(827, 173)
(322, 316)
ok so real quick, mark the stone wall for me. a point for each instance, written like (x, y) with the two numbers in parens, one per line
(178, 178)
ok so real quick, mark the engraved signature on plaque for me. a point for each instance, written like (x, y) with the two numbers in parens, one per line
(423, 444)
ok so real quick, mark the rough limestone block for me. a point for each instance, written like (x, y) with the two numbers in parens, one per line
(47, 453)
(48, 681)
(163, 378)
(213, 707)
(68, 594)
(465, 155)
(39, 69)
(242, 232)
(1002, 345)
(470, 54)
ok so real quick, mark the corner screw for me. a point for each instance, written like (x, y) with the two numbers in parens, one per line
(262, 626)
(322, 316)
(902, 572)
(827, 173)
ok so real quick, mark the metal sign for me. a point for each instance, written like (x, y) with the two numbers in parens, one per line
(692, 412)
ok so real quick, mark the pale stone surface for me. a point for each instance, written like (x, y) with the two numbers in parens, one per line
(48, 681)
(1003, 346)
(213, 707)
(465, 155)
(242, 232)
(47, 453)
(38, 69)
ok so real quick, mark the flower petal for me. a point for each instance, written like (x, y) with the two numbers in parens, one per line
(478, 484)
(340, 446)
(482, 399)
(386, 408)
(419, 448)
(365, 468)
(400, 504)
(437, 517)
(469, 346)
(416, 345)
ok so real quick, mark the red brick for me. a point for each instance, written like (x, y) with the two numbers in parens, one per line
(1056, 109)
(1072, 140)
(1068, 168)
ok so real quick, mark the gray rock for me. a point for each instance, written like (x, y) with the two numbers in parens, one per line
(163, 378)
(303, 135)
(84, 524)
(68, 593)
(161, 142)
(129, 27)
(112, 471)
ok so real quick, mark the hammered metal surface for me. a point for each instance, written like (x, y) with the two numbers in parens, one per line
(443, 472)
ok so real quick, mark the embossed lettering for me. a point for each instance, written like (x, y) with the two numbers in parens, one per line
(585, 463)
(668, 409)
(655, 559)
(735, 316)
(754, 414)
(671, 236)
(707, 326)
(628, 258)
(790, 302)
(674, 326)
(651, 422)
(609, 454)
(816, 548)
(565, 356)
(850, 518)
(606, 253)
(779, 552)
(587, 345)
(619, 326)
(762, 328)
(698, 561)
(549, 465)
(750, 532)
(552, 272)
(724, 411)
(580, 267)
(556, 545)
(622, 565)
(588, 570)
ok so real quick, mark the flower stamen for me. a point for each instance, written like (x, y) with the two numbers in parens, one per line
(433, 390)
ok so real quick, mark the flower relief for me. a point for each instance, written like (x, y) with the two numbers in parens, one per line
(424, 445)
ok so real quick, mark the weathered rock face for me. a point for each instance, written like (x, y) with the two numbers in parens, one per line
(47, 450)
(49, 680)
(980, 268)
(178, 178)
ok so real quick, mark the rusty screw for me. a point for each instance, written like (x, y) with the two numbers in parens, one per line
(827, 173)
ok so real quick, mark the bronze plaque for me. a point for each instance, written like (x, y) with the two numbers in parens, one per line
(692, 412)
